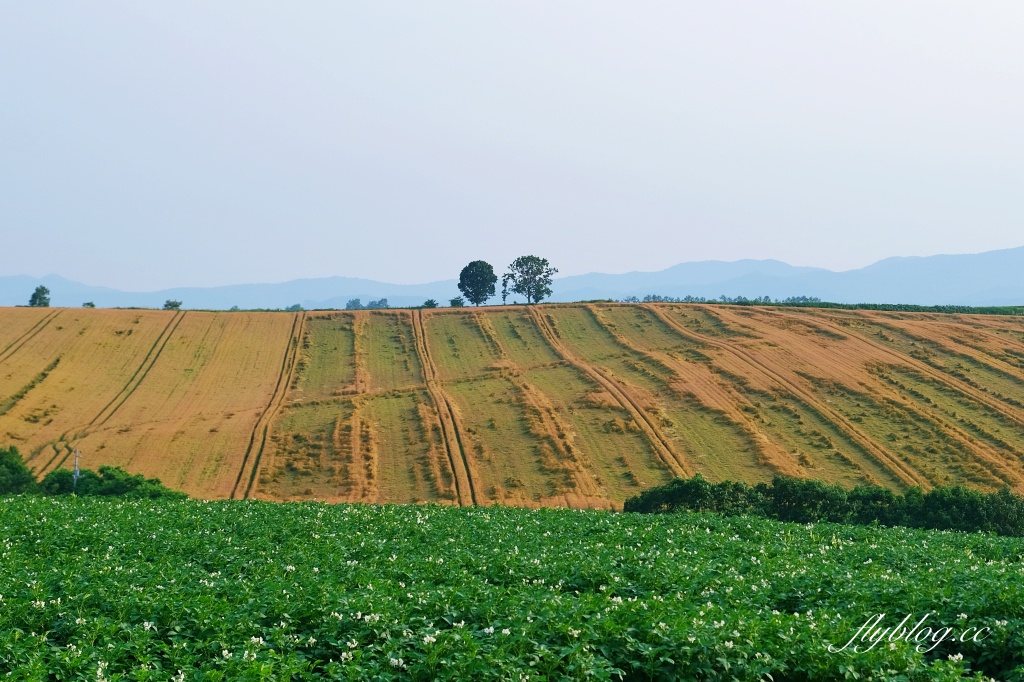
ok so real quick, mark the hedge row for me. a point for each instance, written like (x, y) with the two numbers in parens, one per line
(16, 478)
(809, 501)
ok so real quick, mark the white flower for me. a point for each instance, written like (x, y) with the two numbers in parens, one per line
(346, 655)
(256, 640)
(506, 631)
(147, 626)
(429, 639)
(956, 657)
(574, 633)
(962, 616)
(728, 645)
(226, 654)
(289, 568)
(489, 630)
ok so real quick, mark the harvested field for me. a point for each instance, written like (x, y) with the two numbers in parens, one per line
(579, 405)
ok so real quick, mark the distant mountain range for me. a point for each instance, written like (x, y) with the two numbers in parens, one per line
(990, 278)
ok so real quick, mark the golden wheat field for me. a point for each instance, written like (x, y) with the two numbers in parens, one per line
(579, 405)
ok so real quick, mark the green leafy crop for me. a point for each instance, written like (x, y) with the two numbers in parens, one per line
(114, 589)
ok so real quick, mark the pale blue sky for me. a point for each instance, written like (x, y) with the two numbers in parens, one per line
(187, 143)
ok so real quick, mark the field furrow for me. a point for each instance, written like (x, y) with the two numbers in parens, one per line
(791, 383)
(991, 388)
(250, 468)
(451, 438)
(580, 405)
(723, 440)
(189, 421)
(20, 324)
(674, 461)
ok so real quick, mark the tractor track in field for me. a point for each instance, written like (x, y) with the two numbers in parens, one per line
(1003, 467)
(465, 491)
(14, 346)
(924, 368)
(883, 457)
(262, 426)
(962, 348)
(104, 415)
(773, 455)
(658, 441)
(545, 425)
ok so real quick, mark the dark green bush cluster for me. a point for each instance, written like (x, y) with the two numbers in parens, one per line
(16, 478)
(808, 501)
(815, 302)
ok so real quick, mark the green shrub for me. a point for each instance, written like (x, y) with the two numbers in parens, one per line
(109, 482)
(809, 501)
(15, 476)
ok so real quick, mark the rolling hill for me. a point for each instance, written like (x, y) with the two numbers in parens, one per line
(578, 405)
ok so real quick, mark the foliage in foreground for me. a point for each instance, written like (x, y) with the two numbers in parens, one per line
(190, 590)
(809, 501)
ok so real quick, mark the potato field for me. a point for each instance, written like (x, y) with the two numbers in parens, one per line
(106, 589)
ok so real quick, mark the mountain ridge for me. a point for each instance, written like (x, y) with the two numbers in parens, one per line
(987, 278)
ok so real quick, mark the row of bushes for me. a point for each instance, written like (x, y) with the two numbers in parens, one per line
(815, 302)
(16, 478)
(808, 501)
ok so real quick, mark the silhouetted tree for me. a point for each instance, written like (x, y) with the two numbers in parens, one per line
(476, 281)
(457, 302)
(430, 303)
(172, 305)
(40, 297)
(531, 277)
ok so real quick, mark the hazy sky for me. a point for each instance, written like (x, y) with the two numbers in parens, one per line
(154, 144)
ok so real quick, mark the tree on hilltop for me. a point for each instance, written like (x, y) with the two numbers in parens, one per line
(476, 281)
(171, 304)
(40, 297)
(531, 277)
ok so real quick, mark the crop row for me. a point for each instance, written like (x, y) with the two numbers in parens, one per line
(190, 590)
(577, 405)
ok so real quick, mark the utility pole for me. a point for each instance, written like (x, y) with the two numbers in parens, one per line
(76, 474)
